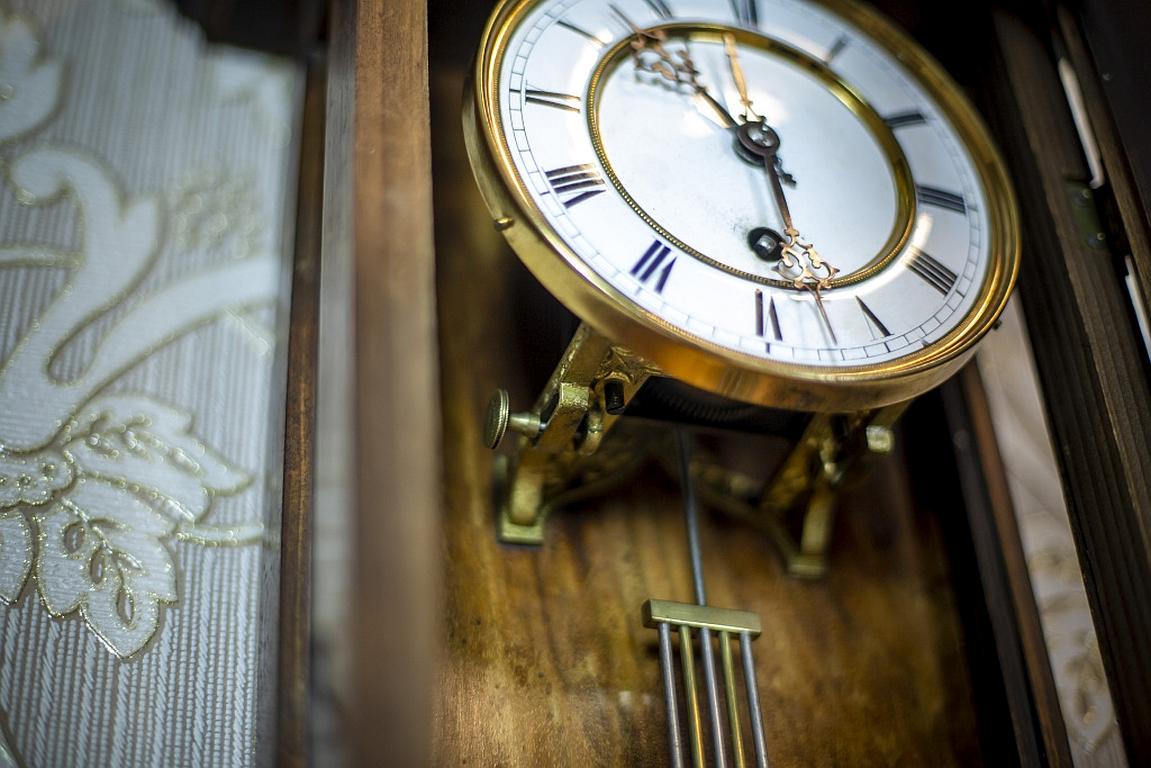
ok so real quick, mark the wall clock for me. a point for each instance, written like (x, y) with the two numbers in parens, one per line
(784, 203)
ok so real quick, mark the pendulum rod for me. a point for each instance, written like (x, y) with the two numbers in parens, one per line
(726, 624)
(691, 518)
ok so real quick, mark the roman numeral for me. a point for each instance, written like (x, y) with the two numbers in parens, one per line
(581, 32)
(659, 8)
(926, 266)
(876, 323)
(654, 264)
(766, 320)
(570, 180)
(553, 99)
(836, 49)
(941, 199)
(904, 119)
(745, 12)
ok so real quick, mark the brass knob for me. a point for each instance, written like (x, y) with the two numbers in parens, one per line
(500, 419)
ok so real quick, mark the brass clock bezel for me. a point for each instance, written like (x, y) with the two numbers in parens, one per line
(697, 361)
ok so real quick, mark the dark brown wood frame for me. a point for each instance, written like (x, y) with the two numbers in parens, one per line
(378, 186)
(1029, 684)
(294, 649)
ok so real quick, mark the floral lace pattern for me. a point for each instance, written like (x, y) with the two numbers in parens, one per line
(95, 487)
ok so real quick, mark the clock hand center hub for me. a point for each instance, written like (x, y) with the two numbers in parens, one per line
(758, 138)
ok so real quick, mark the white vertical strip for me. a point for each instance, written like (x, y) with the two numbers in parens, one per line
(1016, 403)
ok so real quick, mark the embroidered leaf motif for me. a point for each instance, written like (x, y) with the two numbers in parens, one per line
(15, 554)
(101, 554)
(149, 447)
(1087, 699)
(32, 479)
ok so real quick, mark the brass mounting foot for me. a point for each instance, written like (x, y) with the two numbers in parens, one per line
(806, 485)
(507, 530)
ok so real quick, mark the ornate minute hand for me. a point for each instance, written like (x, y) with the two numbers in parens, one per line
(737, 76)
(799, 262)
(749, 114)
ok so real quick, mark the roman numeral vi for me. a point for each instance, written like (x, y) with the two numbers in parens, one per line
(766, 318)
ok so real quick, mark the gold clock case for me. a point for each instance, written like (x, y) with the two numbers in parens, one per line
(699, 362)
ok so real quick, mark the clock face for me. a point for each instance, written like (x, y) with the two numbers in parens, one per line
(758, 176)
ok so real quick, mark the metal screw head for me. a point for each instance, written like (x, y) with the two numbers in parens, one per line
(880, 439)
(496, 418)
(613, 396)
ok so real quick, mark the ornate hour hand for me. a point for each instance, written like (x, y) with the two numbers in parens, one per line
(650, 54)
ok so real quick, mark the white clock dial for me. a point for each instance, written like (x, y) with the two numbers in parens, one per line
(675, 145)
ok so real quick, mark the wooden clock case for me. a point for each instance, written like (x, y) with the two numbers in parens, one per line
(922, 644)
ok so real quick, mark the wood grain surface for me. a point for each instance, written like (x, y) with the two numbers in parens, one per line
(378, 223)
(544, 659)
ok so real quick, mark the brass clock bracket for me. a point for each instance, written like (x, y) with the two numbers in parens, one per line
(553, 459)
(796, 507)
(560, 456)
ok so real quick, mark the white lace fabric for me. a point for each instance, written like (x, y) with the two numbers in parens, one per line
(145, 216)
